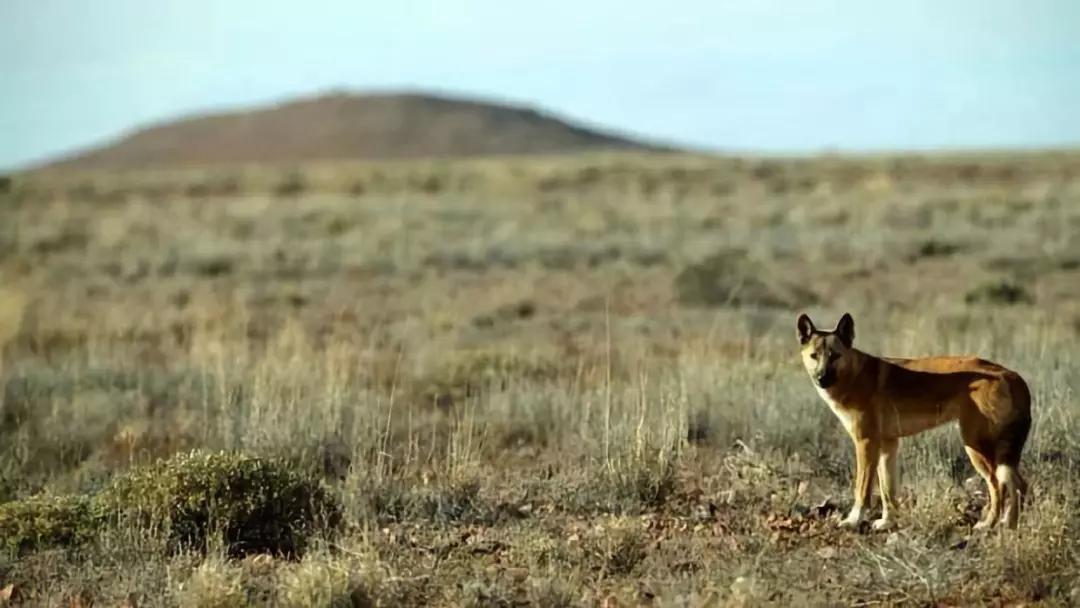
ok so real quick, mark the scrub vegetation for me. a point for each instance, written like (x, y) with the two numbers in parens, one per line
(554, 381)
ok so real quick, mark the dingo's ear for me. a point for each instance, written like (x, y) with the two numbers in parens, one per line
(845, 330)
(805, 328)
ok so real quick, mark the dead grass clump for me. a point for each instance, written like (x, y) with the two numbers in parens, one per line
(321, 581)
(1038, 565)
(215, 583)
(621, 551)
(644, 486)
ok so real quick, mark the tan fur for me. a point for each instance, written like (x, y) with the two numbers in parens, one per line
(880, 400)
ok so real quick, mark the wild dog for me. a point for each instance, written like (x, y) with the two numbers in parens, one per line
(879, 400)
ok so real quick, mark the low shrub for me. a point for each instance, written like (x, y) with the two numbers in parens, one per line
(1000, 293)
(44, 521)
(933, 248)
(256, 505)
(293, 184)
(730, 278)
(252, 505)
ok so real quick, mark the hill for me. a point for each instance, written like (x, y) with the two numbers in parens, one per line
(348, 126)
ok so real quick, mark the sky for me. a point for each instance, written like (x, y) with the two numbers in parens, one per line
(765, 76)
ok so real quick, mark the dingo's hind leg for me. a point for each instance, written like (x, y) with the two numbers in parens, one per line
(1014, 489)
(985, 467)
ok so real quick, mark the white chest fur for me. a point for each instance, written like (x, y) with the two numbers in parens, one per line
(841, 413)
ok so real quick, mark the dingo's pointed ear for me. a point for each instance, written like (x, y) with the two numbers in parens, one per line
(805, 328)
(845, 330)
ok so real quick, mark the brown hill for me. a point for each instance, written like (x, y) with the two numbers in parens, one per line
(347, 126)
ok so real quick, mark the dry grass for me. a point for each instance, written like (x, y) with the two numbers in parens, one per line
(548, 381)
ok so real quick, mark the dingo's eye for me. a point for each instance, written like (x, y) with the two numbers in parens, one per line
(814, 356)
(833, 357)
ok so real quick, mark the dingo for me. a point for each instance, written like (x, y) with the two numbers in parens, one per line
(880, 399)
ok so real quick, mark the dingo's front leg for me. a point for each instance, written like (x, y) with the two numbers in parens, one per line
(866, 457)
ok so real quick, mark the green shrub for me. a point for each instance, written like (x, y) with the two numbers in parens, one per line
(999, 292)
(220, 185)
(41, 522)
(730, 278)
(253, 505)
(292, 185)
(934, 248)
(257, 506)
(212, 266)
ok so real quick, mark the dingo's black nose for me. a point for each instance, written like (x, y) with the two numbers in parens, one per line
(827, 379)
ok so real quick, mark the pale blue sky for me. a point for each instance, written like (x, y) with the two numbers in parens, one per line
(769, 76)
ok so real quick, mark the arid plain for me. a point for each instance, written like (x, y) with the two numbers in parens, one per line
(534, 380)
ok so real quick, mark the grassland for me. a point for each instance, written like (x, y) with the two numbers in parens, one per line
(532, 381)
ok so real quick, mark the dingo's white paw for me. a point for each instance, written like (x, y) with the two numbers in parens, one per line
(851, 521)
(880, 525)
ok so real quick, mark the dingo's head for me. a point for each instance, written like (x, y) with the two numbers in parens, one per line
(826, 354)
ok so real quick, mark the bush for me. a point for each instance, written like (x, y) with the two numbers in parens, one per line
(729, 278)
(257, 506)
(934, 248)
(41, 522)
(293, 184)
(212, 266)
(223, 185)
(1001, 292)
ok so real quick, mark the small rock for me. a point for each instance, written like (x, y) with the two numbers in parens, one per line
(705, 511)
(742, 587)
